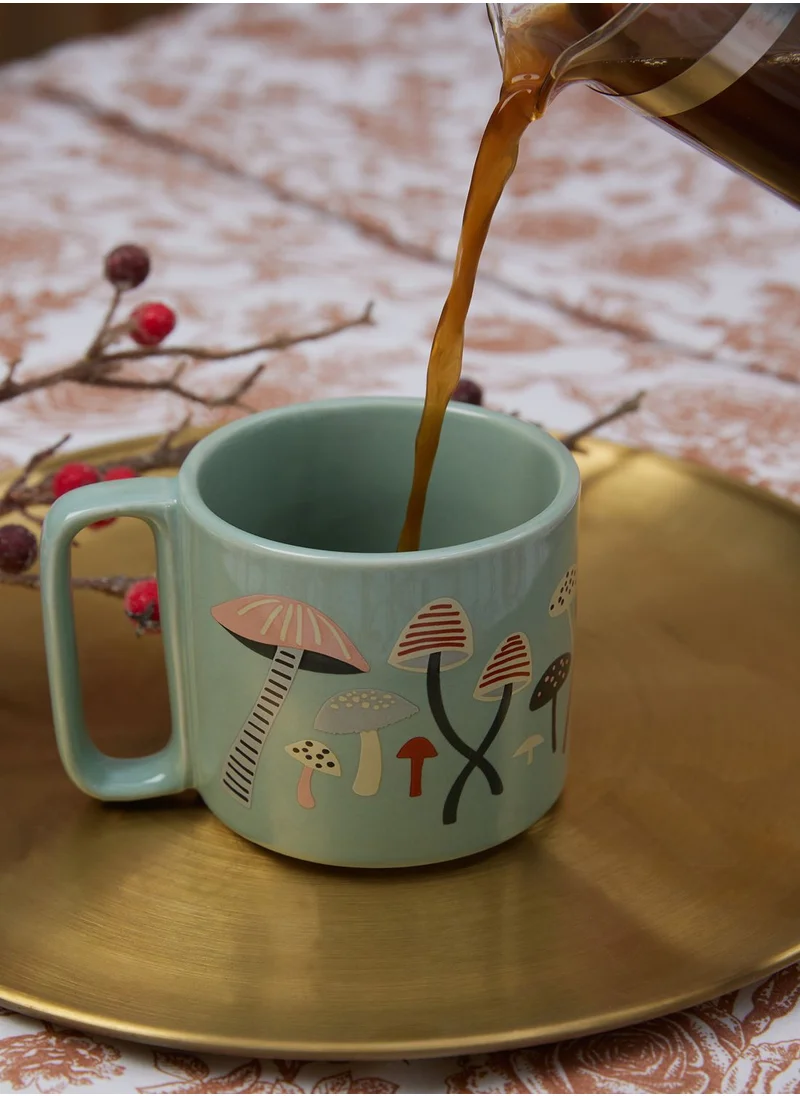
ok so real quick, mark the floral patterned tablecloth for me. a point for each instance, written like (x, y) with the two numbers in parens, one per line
(284, 164)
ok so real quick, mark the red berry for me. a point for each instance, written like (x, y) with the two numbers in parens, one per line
(127, 266)
(70, 476)
(18, 549)
(119, 473)
(141, 605)
(468, 391)
(122, 471)
(150, 323)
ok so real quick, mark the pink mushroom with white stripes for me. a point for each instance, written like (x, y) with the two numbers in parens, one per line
(295, 636)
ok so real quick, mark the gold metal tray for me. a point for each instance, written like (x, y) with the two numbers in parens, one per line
(666, 875)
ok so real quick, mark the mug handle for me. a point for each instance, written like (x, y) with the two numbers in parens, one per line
(155, 501)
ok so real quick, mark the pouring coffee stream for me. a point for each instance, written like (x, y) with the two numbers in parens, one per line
(723, 77)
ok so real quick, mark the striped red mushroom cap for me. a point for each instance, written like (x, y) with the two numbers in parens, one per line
(440, 627)
(511, 664)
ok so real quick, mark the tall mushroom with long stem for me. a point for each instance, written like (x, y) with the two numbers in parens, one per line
(563, 600)
(364, 712)
(292, 634)
(437, 638)
(547, 689)
(509, 670)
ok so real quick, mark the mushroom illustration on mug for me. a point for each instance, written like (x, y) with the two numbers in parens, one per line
(417, 751)
(528, 746)
(508, 671)
(438, 638)
(294, 635)
(563, 600)
(546, 692)
(315, 757)
(364, 712)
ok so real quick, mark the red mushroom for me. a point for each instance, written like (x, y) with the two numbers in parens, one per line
(291, 633)
(417, 751)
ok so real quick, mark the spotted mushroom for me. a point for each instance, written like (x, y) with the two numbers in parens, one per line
(547, 689)
(364, 712)
(563, 600)
(293, 635)
(315, 757)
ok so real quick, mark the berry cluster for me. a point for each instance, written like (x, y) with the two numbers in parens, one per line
(126, 267)
(19, 548)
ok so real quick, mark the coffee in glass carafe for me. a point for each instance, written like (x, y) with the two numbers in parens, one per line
(724, 77)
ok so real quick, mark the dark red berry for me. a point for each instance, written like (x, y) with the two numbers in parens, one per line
(127, 266)
(150, 323)
(119, 473)
(141, 605)
(70, 476)
(18, 549)
(468, 391)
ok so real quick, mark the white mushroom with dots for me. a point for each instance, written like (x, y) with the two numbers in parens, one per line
(315, 757)
(508, 671)
(364, 712)
(294, 635)
(563, 599)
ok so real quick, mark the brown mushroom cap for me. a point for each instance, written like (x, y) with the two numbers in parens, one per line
(564, 593)
(511, 664)
(271, 620)
(315, 755)
(360, 710)
(440, 627)
(551, 681)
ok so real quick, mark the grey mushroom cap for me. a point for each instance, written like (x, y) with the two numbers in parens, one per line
(357, 710)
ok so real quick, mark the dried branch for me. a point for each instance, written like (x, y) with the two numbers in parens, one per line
(113, 585)
(231, 398)
(21, 494)
(98, 367)
(627, 407)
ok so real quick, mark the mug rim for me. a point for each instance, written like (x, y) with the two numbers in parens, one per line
(539, 525)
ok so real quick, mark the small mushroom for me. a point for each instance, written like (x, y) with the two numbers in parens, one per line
(528, 746)
(292, 634)
(548, 687)
(364, 712)
(510, 668)
(314, 757)
(417, 751)
(563, 599)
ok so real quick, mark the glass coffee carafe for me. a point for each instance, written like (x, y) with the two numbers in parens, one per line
(724, 77)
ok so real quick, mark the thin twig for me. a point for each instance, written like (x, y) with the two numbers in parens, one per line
(94, 367)
(22, 494)
(99, 341)
(113, 585)
(277, 342)
(12, 499)
(627, 407)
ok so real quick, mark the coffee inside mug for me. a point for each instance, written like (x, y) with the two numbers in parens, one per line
(336, 478)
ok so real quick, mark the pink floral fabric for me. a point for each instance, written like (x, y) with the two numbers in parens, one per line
(285, 164)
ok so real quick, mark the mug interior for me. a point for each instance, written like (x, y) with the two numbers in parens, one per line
(336, 476)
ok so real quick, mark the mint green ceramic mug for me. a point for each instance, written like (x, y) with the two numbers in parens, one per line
(331, 699)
